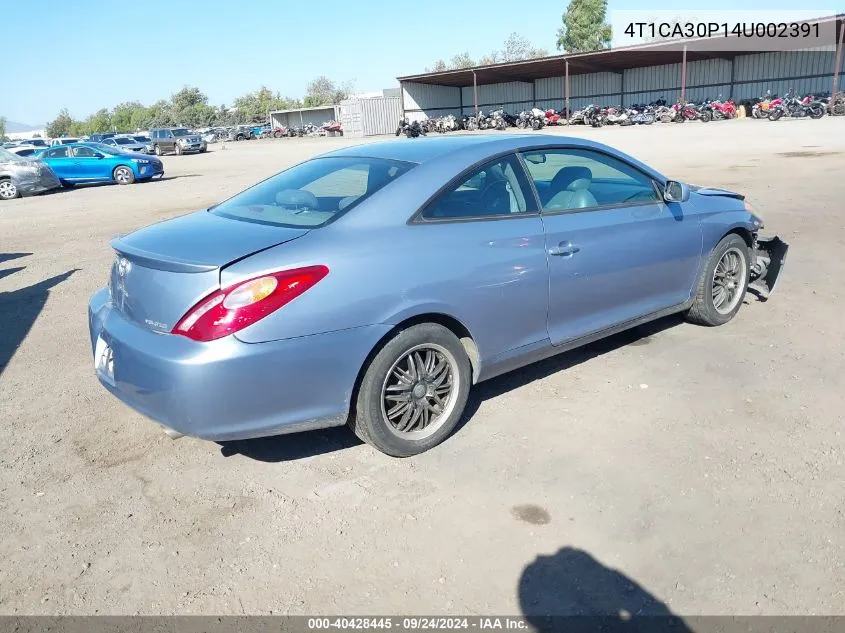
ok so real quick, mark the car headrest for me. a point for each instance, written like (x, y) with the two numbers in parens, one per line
(566, 176)
(297, 198)
(580, 184)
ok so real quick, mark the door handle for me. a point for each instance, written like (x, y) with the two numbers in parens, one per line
(565, 249)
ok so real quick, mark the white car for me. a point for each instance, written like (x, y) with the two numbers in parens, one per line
(65, 140)
(24, 150)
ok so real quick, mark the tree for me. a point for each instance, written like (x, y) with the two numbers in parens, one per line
(517, 48)
(100, 121)
(461, 60)
(584, 28)
(60, 126)
(2, 128)
(188, 97)
(439, 66)
(324, 91)
(121, 116)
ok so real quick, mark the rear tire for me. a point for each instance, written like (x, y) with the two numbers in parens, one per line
(816, 112)
(704, 310)
(396, 393)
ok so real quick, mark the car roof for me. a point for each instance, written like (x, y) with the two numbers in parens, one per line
(421, 150)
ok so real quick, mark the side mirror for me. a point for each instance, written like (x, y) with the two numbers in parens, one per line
(675, 191)
(99, 156)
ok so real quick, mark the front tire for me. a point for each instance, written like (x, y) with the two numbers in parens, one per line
(157, 150)
(413, 392)
(723, 282)
(123, 175)
(8, 189)
(178, 149)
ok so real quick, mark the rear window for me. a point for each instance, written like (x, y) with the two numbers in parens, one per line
(312, 193)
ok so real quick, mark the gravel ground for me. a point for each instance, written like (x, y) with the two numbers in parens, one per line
(692, 467)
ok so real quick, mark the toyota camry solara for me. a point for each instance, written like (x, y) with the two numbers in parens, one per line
(375, 285)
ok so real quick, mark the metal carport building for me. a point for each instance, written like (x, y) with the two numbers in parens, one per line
(627, 75)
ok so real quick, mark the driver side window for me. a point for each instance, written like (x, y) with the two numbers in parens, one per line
(497, 189)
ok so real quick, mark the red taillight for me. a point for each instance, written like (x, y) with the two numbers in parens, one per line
(226, 311)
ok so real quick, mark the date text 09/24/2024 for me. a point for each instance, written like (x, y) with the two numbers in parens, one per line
(680, 30)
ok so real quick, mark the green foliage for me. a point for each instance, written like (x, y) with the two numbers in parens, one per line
(584, 28)
(324, 91)
(517, 47)
(2, 128)
(60, 126)
(189, 107)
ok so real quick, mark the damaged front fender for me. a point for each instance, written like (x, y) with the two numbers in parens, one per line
(768, 256)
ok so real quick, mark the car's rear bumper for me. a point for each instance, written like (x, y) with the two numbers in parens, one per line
(227, 389)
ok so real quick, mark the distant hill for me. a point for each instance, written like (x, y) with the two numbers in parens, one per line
(14, 126)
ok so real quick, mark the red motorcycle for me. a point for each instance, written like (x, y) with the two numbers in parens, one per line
(552, 117)
(723, 110)
(685, 112)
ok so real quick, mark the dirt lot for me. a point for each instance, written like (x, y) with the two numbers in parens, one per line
(705, 465)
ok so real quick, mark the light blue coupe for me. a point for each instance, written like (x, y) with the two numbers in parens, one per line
(80, 163)
(376, 284)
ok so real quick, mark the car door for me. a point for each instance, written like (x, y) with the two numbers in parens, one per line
(60, 160)
(616, 251)
(489, 261)
(166, 140)
(89, 164)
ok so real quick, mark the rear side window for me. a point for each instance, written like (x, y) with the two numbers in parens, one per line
(58, 152)
(497, 189)
(312, 193)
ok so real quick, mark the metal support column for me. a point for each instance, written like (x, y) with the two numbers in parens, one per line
(733, 77)
(475, 92)
(838, 63)
(622, 89)
(566, 88)
(402, 99)
(684, 76)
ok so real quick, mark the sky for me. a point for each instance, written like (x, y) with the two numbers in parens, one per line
(90, 54)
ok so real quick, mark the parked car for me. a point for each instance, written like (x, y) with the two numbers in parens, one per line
(176, 139)
(23, 176)
(101, 136)
(146, 141)
(65, 140)
(35, 142)
(126, 143)
(240, 133)
(24, 150)
(297, 304)
(82, 163)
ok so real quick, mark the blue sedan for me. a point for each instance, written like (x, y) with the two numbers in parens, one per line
(375, 285)
(79, 163)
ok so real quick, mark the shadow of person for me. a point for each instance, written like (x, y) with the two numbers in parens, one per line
(572, 591)
(18, 311)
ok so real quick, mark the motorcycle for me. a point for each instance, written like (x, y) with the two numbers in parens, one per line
(618, 116)
(410, 129)
(645, 116)
(794, 107)
(723, 109)
(760, 110)
(705, 111)
(497, 120)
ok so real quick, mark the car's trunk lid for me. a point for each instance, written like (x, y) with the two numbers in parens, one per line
(161, 271)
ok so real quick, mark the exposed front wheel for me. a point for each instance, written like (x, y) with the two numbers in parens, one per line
(157, 150)
(706, 116)
(816, 112)
(723, 282)
(413, 391)
(123, 175)
(8, 189)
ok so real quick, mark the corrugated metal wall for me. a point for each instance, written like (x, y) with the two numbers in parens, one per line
(370, 117)
(513, 95)
(423, 101)
(806, 71)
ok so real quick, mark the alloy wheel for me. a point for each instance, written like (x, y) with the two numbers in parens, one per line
(8, 190)
(418, 394)
(729, 279)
